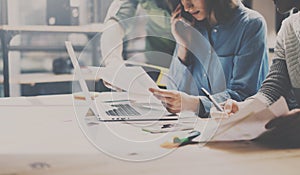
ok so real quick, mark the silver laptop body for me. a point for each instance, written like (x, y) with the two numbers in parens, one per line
(117, 111)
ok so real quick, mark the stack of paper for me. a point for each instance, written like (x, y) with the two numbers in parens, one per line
(250, 121)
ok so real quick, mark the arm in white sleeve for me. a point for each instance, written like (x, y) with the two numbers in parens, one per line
(112, 43)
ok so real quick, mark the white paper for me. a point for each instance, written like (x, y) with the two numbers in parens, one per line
(249, 122)
(134, 80)
(279, 108)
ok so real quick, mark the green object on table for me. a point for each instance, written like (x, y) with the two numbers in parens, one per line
(191, 135)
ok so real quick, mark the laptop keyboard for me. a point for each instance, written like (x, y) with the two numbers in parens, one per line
(122, 110)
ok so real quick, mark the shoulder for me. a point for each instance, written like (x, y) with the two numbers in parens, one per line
(248, 17)
(291, 23)
(292, 18)
(290, 29)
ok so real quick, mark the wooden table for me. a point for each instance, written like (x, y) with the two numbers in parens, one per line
(41, 135)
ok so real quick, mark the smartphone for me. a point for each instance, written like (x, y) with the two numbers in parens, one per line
(187, 16)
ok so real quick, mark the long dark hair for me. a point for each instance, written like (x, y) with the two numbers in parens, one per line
(223, 9)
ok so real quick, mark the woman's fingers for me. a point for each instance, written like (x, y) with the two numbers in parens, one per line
(176, 13)
(231, 106)
(170, 107)
(228, 106)
(292, 112)
(173, 111)
(170, 99)
(164, 93)
(169, 102)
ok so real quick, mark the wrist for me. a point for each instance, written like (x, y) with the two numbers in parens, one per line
(195, 103)
(182, 53)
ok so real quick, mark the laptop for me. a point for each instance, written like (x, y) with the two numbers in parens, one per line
(118, 111)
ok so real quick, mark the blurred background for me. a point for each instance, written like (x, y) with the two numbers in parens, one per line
(34, 53)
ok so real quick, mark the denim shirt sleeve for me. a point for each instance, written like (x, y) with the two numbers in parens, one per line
(250, 66)
(178, 72)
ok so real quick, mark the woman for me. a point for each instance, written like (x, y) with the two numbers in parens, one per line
(283, 78)
(236, 69)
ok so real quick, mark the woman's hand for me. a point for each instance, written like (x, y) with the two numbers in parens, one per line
(176, 101)
(182, 32)
(231, 107)
(292, 113)
(284, 130)
(290, 119)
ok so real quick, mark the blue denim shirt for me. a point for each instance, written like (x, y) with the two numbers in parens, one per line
(230, 63)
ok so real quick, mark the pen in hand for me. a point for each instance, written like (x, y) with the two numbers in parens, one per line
(209, 96)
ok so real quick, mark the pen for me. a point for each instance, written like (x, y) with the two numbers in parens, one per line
(207, 94)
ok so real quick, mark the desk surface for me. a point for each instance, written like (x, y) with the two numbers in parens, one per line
(40, 135)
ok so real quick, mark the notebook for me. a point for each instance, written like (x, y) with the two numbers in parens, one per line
(116, 110)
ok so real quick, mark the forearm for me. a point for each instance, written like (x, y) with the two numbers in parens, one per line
(277, 82)
(182, 53)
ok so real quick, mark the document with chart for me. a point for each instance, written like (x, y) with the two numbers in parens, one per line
(246, 124)
(250, 121)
